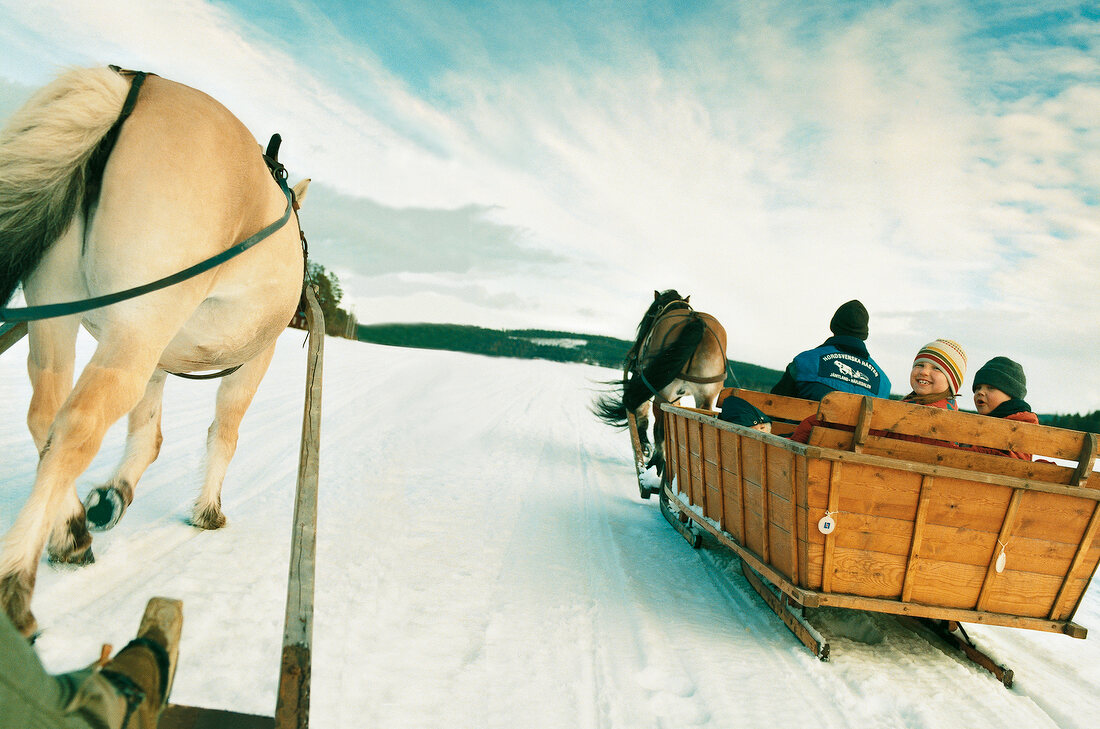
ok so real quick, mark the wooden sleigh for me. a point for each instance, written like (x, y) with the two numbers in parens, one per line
(933, 532)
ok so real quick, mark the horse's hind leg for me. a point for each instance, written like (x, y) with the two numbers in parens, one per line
(50, 367)
(109, 386)
(105, 504)
(50, 358)
(234, 396)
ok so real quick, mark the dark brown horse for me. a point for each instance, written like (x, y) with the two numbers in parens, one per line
(678, 351)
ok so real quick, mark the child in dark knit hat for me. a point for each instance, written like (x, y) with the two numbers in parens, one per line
(742, 412)
(999, 391)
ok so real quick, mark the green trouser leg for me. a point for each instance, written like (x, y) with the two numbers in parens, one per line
(30, 698)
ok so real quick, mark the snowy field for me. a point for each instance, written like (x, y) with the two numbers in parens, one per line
(484, 561)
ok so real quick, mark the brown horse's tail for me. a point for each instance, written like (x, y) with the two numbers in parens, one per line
(662, 368)
(44, 153)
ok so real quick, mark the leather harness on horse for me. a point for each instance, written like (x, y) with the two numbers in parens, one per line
(669, 309)
(96, 165)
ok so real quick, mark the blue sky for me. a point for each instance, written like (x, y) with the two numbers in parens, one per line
(549, 164)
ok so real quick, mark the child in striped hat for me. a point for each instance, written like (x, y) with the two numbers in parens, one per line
(938, 372)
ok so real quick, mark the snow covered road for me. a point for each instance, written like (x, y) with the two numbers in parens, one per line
(484, 561)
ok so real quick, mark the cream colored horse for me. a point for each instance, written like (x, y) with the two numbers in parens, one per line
(185, 181)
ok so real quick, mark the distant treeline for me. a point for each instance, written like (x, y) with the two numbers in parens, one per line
(535, 344)
(1089, 422)
(589, 349)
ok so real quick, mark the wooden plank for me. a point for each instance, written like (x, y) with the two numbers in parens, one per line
(1086, 460)
(731, 485)
(917, 610)
(778, 407)
(1024, 593)
(741, 490)
(292, 708)
(918, 534)
(894, 456)
(765, 506)
(863, 423)
(10, 333)
(802, 528)
(1007, 524)
(782, 481)
(833, 507)
(951, 633)
(952, 426)
(971, 461)
(1078, 560)
(870, 574)
(958, 544)
(1092, 559)
(801, 629)
(176, 716)
(679, 520)
(720, 482)
(697, 451)
(683, 475)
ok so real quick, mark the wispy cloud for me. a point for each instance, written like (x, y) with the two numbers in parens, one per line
(496, 161)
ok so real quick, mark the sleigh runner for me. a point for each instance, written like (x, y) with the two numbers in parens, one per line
(859, 518)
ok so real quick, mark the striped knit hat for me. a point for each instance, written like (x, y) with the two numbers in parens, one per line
(949, 357)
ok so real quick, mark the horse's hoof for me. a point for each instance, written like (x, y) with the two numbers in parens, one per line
(15, 597)
(103, 506)
(208, 518)
(82, 558)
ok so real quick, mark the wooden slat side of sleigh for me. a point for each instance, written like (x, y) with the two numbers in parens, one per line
(925, 530)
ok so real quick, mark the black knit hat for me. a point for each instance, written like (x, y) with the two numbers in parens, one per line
(742, 412)
(1004, 374)
(850, 319)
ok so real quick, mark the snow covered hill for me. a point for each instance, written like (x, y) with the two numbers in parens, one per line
(484, 561)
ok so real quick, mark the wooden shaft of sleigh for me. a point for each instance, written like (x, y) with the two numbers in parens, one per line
(292, 709)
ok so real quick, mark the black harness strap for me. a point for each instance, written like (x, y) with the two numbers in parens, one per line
(46, 311)
(97, 163)
(207, 376)
(93, 175)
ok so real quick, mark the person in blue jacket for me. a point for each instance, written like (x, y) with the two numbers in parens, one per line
(840, 363)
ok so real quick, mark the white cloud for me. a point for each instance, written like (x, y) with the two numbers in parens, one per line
(773, 163)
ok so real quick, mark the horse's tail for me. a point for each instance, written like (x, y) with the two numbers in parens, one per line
(44, 152)
(610, 408)
(665, 366)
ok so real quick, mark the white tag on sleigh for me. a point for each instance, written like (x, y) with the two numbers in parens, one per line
(827, 524)
(1000, 566)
